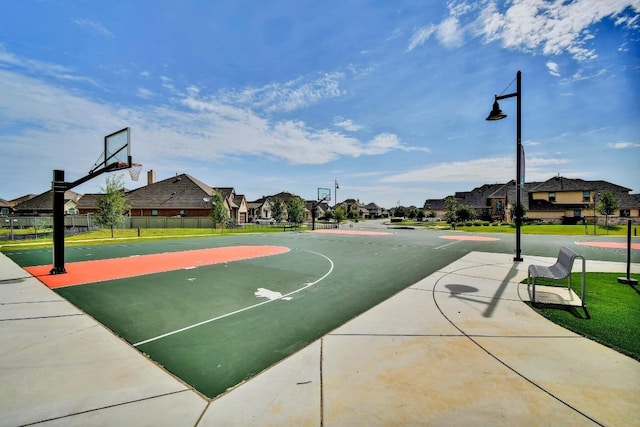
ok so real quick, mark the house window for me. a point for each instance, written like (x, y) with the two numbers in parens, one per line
(154, 212)
(4, 212)
(500, 206)
(586, 196)
(181, 212)
(577, 213)
(625, 213)
(552, 197)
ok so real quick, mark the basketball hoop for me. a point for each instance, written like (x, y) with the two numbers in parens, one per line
(134, 171)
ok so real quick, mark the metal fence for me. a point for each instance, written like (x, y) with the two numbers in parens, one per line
(87, 222)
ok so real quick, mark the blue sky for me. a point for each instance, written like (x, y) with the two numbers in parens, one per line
(388, 98)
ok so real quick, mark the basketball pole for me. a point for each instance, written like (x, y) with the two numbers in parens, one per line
(59, 187)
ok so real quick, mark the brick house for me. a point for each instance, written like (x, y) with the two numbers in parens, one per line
(179, 196)
(558, 199)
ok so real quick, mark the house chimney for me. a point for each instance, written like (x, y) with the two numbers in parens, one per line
(151, 177)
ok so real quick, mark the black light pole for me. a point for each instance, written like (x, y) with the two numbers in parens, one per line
(497, 114)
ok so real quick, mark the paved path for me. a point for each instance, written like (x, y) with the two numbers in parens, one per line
(457, 348)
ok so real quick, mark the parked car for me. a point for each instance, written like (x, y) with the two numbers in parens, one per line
(270, 221)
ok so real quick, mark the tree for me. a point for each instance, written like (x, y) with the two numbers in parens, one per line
(339, 214)
(607, 205)
(295, 211)
(218, 212)
(278, 209)
(465, 213)
(450, 209)
(113, 205)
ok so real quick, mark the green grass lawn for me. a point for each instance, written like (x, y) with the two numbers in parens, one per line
(487, 227)
(613, 312)
(103, 236)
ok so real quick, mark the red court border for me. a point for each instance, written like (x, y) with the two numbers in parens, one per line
(83, 272)
(609, 245)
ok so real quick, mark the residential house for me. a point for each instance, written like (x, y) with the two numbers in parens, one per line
(5, 208)
(572, 200)
(558, 199)
(354, 209)
(236, 204)
(260, 208)
(42, 204)
(263, 207)
(375, 211)
(179, 196)
(184, 196)
(322, 209)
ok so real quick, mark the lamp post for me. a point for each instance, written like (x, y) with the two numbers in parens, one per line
(595, 219)
(497, 114)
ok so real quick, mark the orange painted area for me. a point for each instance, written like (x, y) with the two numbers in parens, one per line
(83, 272)
(610, 245)
(352, 232)
(471, 238)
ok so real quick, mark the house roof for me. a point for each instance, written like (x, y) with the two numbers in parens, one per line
(21, 199)
(44, 201)
(560, 183)
(284, 196)
(89, 201)
(181, 191)
(478, 197)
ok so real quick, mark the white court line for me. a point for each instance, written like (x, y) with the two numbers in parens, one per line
(186, 328)
(448, 244)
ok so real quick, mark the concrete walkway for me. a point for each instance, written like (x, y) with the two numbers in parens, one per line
(457, 348)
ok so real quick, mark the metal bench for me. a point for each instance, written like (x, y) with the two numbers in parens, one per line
(558, 271)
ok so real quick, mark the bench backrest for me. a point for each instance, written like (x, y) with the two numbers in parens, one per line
(566, 257)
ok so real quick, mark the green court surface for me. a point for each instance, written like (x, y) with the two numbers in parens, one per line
(215, 326)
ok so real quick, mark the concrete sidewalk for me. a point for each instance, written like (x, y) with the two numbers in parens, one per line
(457, 348)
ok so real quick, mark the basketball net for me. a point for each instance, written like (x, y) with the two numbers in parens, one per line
(134, 171)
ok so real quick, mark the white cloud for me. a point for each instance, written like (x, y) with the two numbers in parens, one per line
(449, 33)
(551, 28)
(420, 36)
(622, 145)
(553, 69)
(94, 26)
(289, 96)
(494, 169)
(346, 124)
(35, 67)
(144, 93)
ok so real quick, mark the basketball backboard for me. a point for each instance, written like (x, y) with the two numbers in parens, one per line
(324, 194)
(117, 149)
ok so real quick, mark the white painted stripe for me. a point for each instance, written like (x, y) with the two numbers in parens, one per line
(177, 331)
(448, 244)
